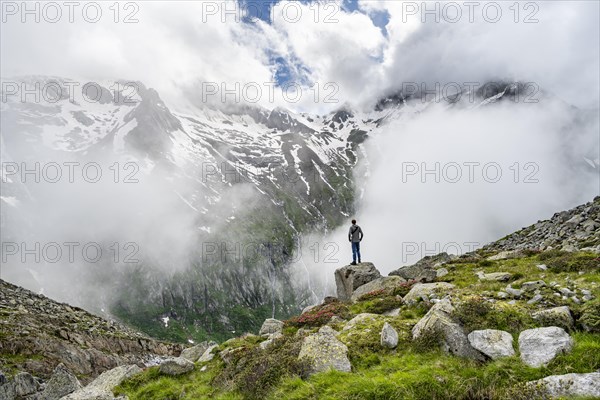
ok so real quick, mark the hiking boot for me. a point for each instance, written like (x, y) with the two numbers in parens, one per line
(359, 260)
(353, 263)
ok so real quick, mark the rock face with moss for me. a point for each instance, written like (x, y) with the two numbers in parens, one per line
(568, 385)
(38, 334)
(439, 322)
(323, 351)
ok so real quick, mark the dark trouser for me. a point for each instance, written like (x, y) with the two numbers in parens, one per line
(355, 251)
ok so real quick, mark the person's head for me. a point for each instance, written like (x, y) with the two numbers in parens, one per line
(353, 222)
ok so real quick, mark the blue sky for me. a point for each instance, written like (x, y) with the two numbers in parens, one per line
(288, 70)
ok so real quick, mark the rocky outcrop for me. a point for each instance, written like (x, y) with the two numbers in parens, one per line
(539, 346)
(271, 326)
(195, 352)
(493, 343)
(47, 333)
(426, 291)
(351, 277)
(101, 388)
(176, 366)
(438, 321)
(62, 383)
(575, 229)
(420, 272)
(569, 385)
(323, 351)
(383, 283)
(208, 354)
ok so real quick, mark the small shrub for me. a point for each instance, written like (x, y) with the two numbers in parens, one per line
(373, 295)
(403, 288)
(254, 372)
(319, 316)
(485, 263)
(381, 305)
(430, 340)
(573, 262)
(590, 316)
(477, 313)
(548, 254)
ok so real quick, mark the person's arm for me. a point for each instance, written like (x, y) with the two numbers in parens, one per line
(350, 234)
(361, 233)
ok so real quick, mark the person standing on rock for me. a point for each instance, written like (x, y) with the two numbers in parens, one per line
(355, 235)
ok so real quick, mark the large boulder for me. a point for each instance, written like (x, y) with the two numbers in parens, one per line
(208, 354)
(323, 351)
(176, 366)
(417, 272)
(389, 336)
(351, 277)
(439, 321)
(494, 276)
(424, 290)
(569, 385)
(383, 283)
(493, 343)
(101, 388)
(557, 316)
(61, 383)
(25, 384)
(271, 326)
(195, 352)
(539, 346)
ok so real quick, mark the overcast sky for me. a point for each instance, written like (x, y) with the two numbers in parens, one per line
(365, 47)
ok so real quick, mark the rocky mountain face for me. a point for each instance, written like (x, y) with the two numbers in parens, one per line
(221, 199)
(571, 230)
(37, 334)
(443, 327)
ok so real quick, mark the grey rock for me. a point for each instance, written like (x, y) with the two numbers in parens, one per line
(323, 351)
(438, 320)
(441, 272)
(516, 293)
(61, 383)
(385, 282)
(543, 267)
(195, 352)
(493, 343)
(101, 388)
(389, 336)
(567, 292)
(495, 276)
(351, 277)
(271, 326)
(208, 354)
(25, 384)
(176, 366)
(426, 289)
(417, 272)
(539, 346)
(532, 285)
(569, 385)
(535, 299)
